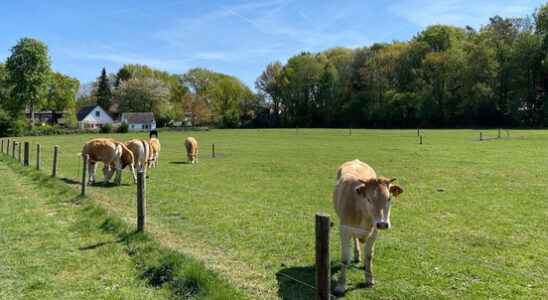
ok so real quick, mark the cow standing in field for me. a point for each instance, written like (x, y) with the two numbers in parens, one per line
(141, 153)
(362, 202)
(114, 155)
(191, 149)
(154, 152)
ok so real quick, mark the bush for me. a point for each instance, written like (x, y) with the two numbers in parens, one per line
(106, 128)
(10, 126)
(45, 129)
(124, 128)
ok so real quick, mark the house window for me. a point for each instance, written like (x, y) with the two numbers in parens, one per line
(97, 113)
(132, 126)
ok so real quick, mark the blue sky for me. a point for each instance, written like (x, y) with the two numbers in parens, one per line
(235, 37)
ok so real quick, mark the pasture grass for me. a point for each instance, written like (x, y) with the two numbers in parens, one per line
(58, 245)
(470, 224)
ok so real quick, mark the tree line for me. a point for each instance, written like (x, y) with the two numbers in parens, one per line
(445, 76)
(198, 97)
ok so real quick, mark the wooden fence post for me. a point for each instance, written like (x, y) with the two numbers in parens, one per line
(54, 165)
(481, 136)
(2, 145)
(26, 154)
(141, 201)
(8, 148)
(420, 140)
(13, 150)
(323, 265)
(37, 156)
(499, 134)
(418, 132)
(84, 174)
(213, 150)
(19, 152)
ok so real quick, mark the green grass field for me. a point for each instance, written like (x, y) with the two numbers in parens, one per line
(470, 224)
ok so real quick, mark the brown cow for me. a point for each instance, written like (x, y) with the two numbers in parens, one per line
(141, 153)
(114, 155)
(362, 202)
(154, 152)
(191, 149)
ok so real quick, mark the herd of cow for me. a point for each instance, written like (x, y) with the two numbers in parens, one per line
(361, 198)
(138, 154)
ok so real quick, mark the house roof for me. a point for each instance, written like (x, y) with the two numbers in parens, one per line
(84, 111)
(139, 117)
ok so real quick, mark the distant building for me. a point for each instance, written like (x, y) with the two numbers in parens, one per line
(139, 121)
(93, 116)
(48, 116)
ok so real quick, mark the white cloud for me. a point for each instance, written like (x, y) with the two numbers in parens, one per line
(461, 13)
(270, 29)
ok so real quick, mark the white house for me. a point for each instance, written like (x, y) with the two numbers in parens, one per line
(140, 121)
(93, 116)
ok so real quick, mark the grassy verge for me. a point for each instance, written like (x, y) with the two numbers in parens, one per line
(59, 245)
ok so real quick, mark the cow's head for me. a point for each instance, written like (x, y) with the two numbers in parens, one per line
(127, 156)
(377, 194)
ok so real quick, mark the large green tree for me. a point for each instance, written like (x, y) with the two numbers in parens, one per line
(61, 95)
(143, 95)
(28, 70)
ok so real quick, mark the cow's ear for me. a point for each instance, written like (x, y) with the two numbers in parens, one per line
(360, 189)
(395, 190)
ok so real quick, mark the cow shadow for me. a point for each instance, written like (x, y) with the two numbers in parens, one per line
(70, 181)
(179, 162)
(299, 282)
(95, 184)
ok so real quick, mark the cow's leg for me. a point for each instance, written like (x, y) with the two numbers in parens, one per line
(91, 172)
(132, 173)
(345, 260)
(357, 252)
(369, 249)
(107, 173)
(118, 168)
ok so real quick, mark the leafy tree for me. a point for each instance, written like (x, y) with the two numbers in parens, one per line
(143, 95)
(28, 69)
(61, 94)
(177, 91)
(268, 86)
(103, 94)
(228, 100)
(4, 88)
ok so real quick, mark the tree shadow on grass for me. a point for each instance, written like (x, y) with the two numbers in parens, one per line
(299, 282)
